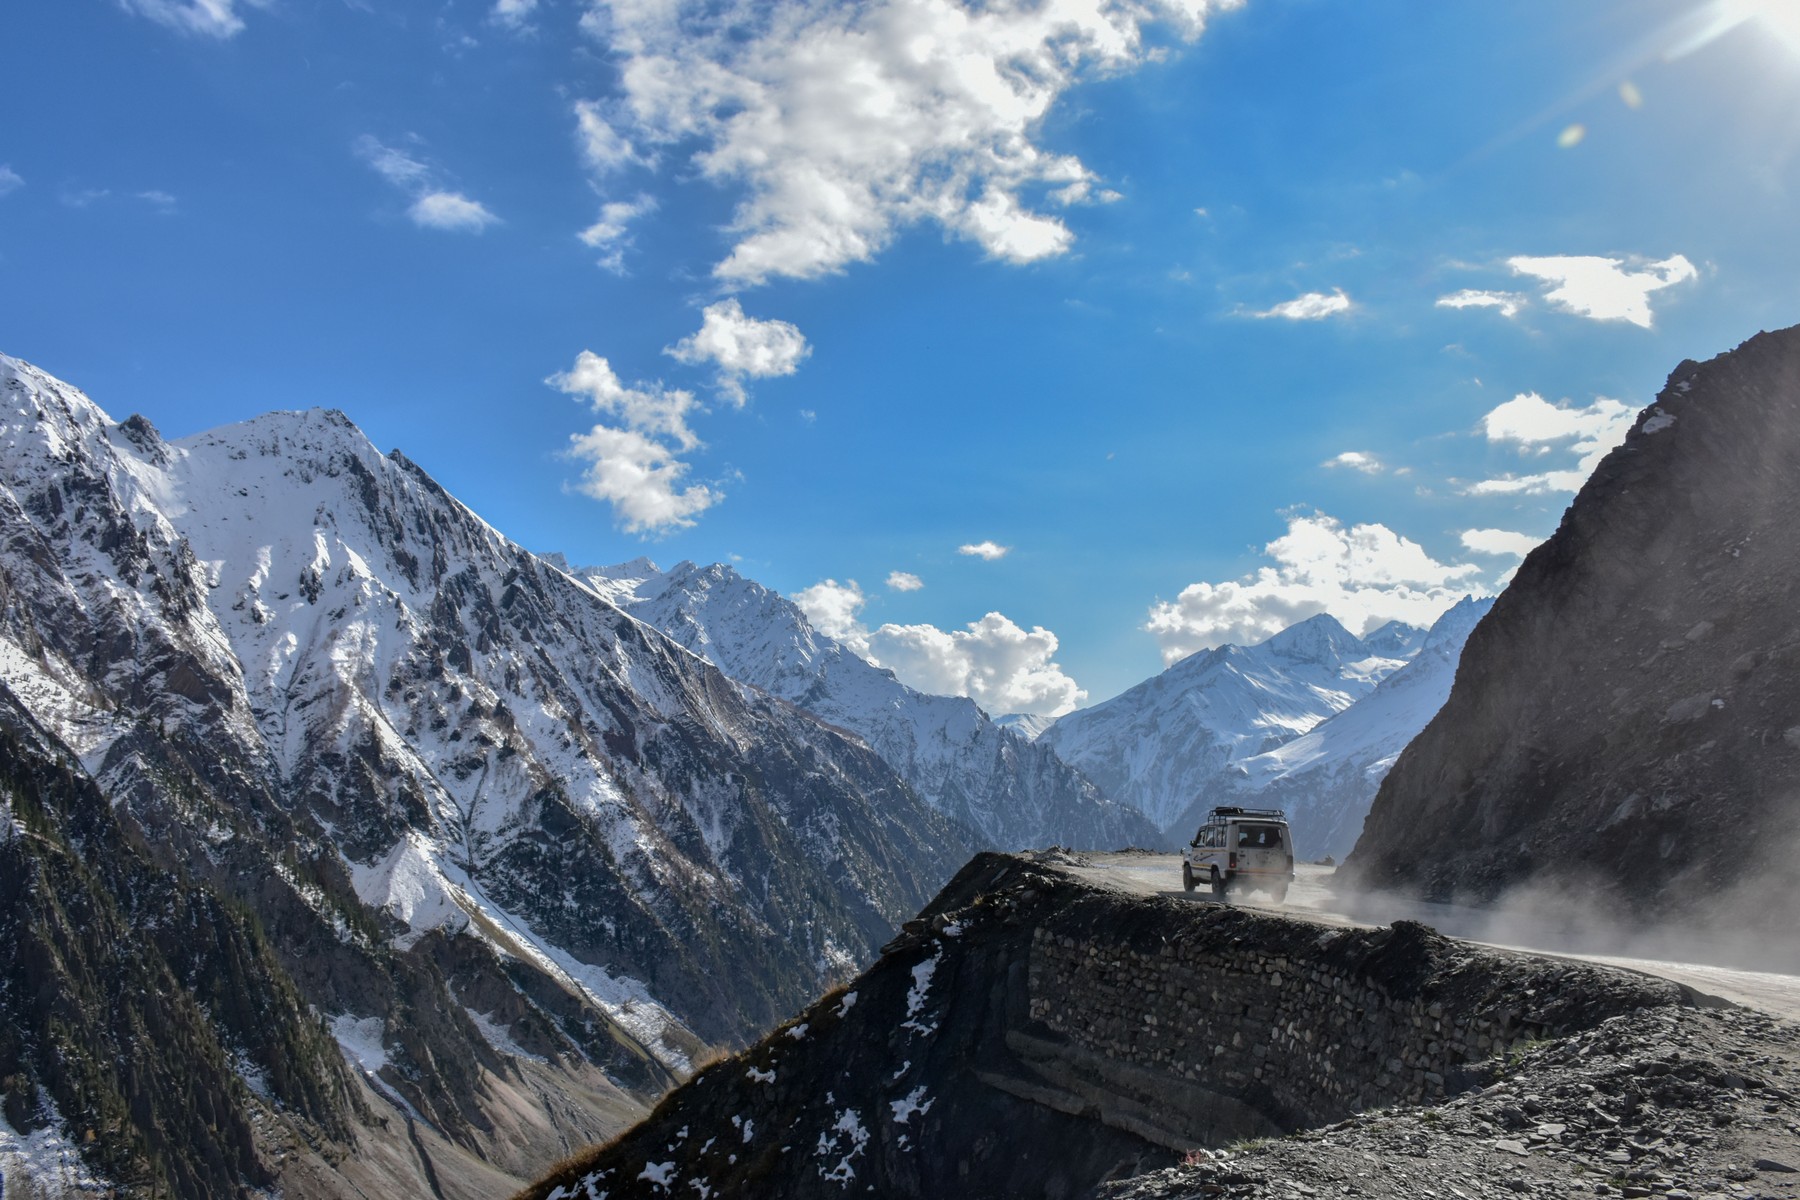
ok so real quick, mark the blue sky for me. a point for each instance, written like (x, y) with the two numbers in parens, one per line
(1119, 331)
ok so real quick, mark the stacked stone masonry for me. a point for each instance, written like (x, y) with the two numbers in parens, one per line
(1307, 1041)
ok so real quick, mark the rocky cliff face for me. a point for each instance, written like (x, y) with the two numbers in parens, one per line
(1012, 793)
(1168, 742)
(328, 748)
(1626, 721)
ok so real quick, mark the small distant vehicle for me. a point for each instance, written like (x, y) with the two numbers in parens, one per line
(1240, 848)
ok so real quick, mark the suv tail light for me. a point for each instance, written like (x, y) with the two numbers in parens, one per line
(1231, 862)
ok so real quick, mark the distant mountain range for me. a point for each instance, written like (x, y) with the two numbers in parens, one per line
(1327, 777)
(1166, 744)
(1012, 793)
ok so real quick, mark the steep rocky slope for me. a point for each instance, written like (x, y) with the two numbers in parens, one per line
(1166, 742)
(1032, 1035)
(1625, 724)
(524, 856)
(1326, 778)
(1012, 793)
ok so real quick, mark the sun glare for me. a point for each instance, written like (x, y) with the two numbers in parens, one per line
(1779, 17)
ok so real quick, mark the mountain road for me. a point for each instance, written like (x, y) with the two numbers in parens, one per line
(1755, 974)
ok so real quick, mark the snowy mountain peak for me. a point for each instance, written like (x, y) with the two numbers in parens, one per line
(1167, 740)
(1327, 778)
(1396, 639)
(1319, 639)
(1452, 629)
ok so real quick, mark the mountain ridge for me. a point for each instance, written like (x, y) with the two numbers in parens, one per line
(1011, 792)
(526, 856)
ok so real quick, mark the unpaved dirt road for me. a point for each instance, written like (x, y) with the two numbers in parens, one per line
(1710, 965)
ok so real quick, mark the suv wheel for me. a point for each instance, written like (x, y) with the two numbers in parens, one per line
(1218, 884)
(1187, 876)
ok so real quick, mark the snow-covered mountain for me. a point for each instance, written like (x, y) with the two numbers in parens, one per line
(1168, 741)
(1327, 777)
(321, 741)
(1013, 793)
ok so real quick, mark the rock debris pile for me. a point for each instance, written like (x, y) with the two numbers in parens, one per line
(1671, 1102)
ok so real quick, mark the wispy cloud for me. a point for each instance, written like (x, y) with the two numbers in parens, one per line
(434, 206)
(741, 347)
(450, 210)
(1313, 306)
(611, 233)
(82, 197)
(1604, 289)
(904, 581)
(1535, 426)
(1499, 542)
(512, 13)
(843, 124)
(987, 551)
(1356, 460)
(633, 465)
(10, 180)
(204, 18)
(1508, 303)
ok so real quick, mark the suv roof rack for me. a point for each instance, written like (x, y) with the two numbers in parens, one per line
(1232, 810)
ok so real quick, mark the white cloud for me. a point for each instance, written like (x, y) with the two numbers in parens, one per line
(604, 148)
(209, 18)
(1499, 541)
(635, 468)
(1356, 460)
(433, 207)
(1002, 667)
(640, 478)
(513, 13)
(741, 346)
(1509, 303)
(904, 581)
(1364, 576)
(1536, 426)
(1528, 485)
(1530, 420)
(1603, 288)
(161, 201)
(843, 124)
(988, 551)
(1313, 306)
(835, 610)
(650, 409)
(450, 210)
(10, 180)
(610, 235)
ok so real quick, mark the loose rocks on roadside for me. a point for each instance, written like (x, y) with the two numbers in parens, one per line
(1677, 1103)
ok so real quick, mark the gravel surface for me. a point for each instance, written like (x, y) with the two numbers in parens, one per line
(1676, 1103)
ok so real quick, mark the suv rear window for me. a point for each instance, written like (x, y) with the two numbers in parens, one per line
(1256, 837)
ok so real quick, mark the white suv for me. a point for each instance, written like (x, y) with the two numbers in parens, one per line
(1240, 847)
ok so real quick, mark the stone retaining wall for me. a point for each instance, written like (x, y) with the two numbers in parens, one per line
(1308, 1038)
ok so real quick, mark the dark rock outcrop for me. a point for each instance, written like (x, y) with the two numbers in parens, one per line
(1625, 724)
